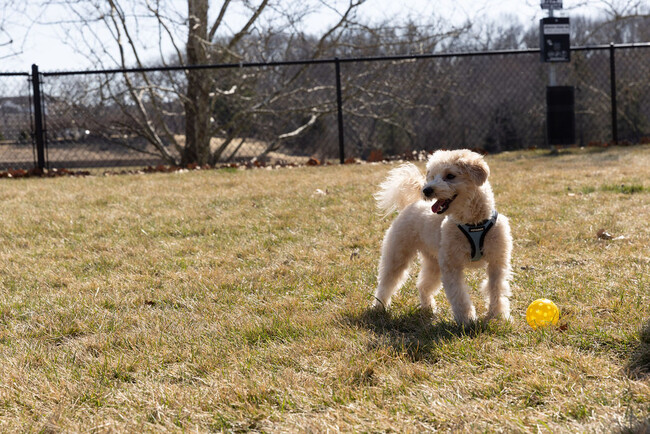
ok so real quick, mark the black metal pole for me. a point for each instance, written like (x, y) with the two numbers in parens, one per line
(339, 108)
(612, 92)
(39, 134)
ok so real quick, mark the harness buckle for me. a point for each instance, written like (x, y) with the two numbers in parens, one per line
(476, 235)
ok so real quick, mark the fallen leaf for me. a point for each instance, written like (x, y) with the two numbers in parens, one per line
(602, 234)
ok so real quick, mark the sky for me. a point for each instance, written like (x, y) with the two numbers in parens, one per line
(43, 43)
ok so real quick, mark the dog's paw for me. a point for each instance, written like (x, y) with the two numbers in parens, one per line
(466, 318)
(429, 308)
(499, 310)
(379, 306)
(429, 312)
(505, 317)
(501, 316)
(427, 302)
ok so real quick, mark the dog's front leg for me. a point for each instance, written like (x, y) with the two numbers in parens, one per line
(497, 290)
(457, 291)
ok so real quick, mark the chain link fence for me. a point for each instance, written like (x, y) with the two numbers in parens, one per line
(267, 113)
(492, 102)
(289, 112)
(16, 127)
(633, 95)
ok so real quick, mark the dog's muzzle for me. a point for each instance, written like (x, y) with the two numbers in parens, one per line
(440, 206)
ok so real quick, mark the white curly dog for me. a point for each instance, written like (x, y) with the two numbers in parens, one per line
(460, 229)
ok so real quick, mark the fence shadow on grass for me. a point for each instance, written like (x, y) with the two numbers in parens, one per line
(639, 363)
(635, 427)
(638, 368)
(418, 333)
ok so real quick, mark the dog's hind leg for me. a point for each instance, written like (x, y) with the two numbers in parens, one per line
(393, 272)
(497, 290)
(396, 256)
(428, 282)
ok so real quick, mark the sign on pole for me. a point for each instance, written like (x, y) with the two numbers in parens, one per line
(554, 41)
(551, 4)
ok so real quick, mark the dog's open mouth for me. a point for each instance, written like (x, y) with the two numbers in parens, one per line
(440, 206)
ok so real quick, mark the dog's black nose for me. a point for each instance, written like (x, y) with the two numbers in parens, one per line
(428, 191)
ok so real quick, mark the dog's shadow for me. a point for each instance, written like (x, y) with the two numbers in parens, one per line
(416, 333)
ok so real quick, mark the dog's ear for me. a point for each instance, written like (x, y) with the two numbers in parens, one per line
(435, 156)
(476, 168)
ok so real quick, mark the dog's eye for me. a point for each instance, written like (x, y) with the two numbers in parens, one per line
(450, 176)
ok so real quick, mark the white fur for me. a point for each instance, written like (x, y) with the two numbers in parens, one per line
(400, 189)
(444, 251)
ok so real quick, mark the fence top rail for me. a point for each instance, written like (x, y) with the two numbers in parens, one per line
(295, 62)
(14, 74)
(330, 60)
(612, 45)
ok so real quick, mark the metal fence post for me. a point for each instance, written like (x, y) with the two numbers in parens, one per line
(339, 108)
(612, 83)
(39, 134)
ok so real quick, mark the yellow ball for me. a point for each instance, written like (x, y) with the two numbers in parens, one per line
(542, 313)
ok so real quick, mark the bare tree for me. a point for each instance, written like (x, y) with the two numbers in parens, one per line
(112, 32)
(14, 23)
(209, 115)
(206, 115)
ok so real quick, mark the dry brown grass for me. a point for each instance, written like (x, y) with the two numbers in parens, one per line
(236, 300)
(246, 149)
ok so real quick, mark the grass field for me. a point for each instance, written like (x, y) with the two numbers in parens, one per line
(237, 301)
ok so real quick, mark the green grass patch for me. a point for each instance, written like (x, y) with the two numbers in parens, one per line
(615, 188)
(624, 188)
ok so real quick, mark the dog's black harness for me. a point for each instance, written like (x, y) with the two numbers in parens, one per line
(476, 234)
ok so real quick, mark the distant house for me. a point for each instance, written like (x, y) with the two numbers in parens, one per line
(15, 119)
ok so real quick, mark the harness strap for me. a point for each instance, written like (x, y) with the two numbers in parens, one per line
(476, 235)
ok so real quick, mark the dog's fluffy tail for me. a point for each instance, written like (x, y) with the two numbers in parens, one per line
(402, 187)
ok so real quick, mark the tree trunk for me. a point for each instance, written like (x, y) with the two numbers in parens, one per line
(197, 104)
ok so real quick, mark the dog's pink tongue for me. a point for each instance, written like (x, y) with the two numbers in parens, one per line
(436, 207)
